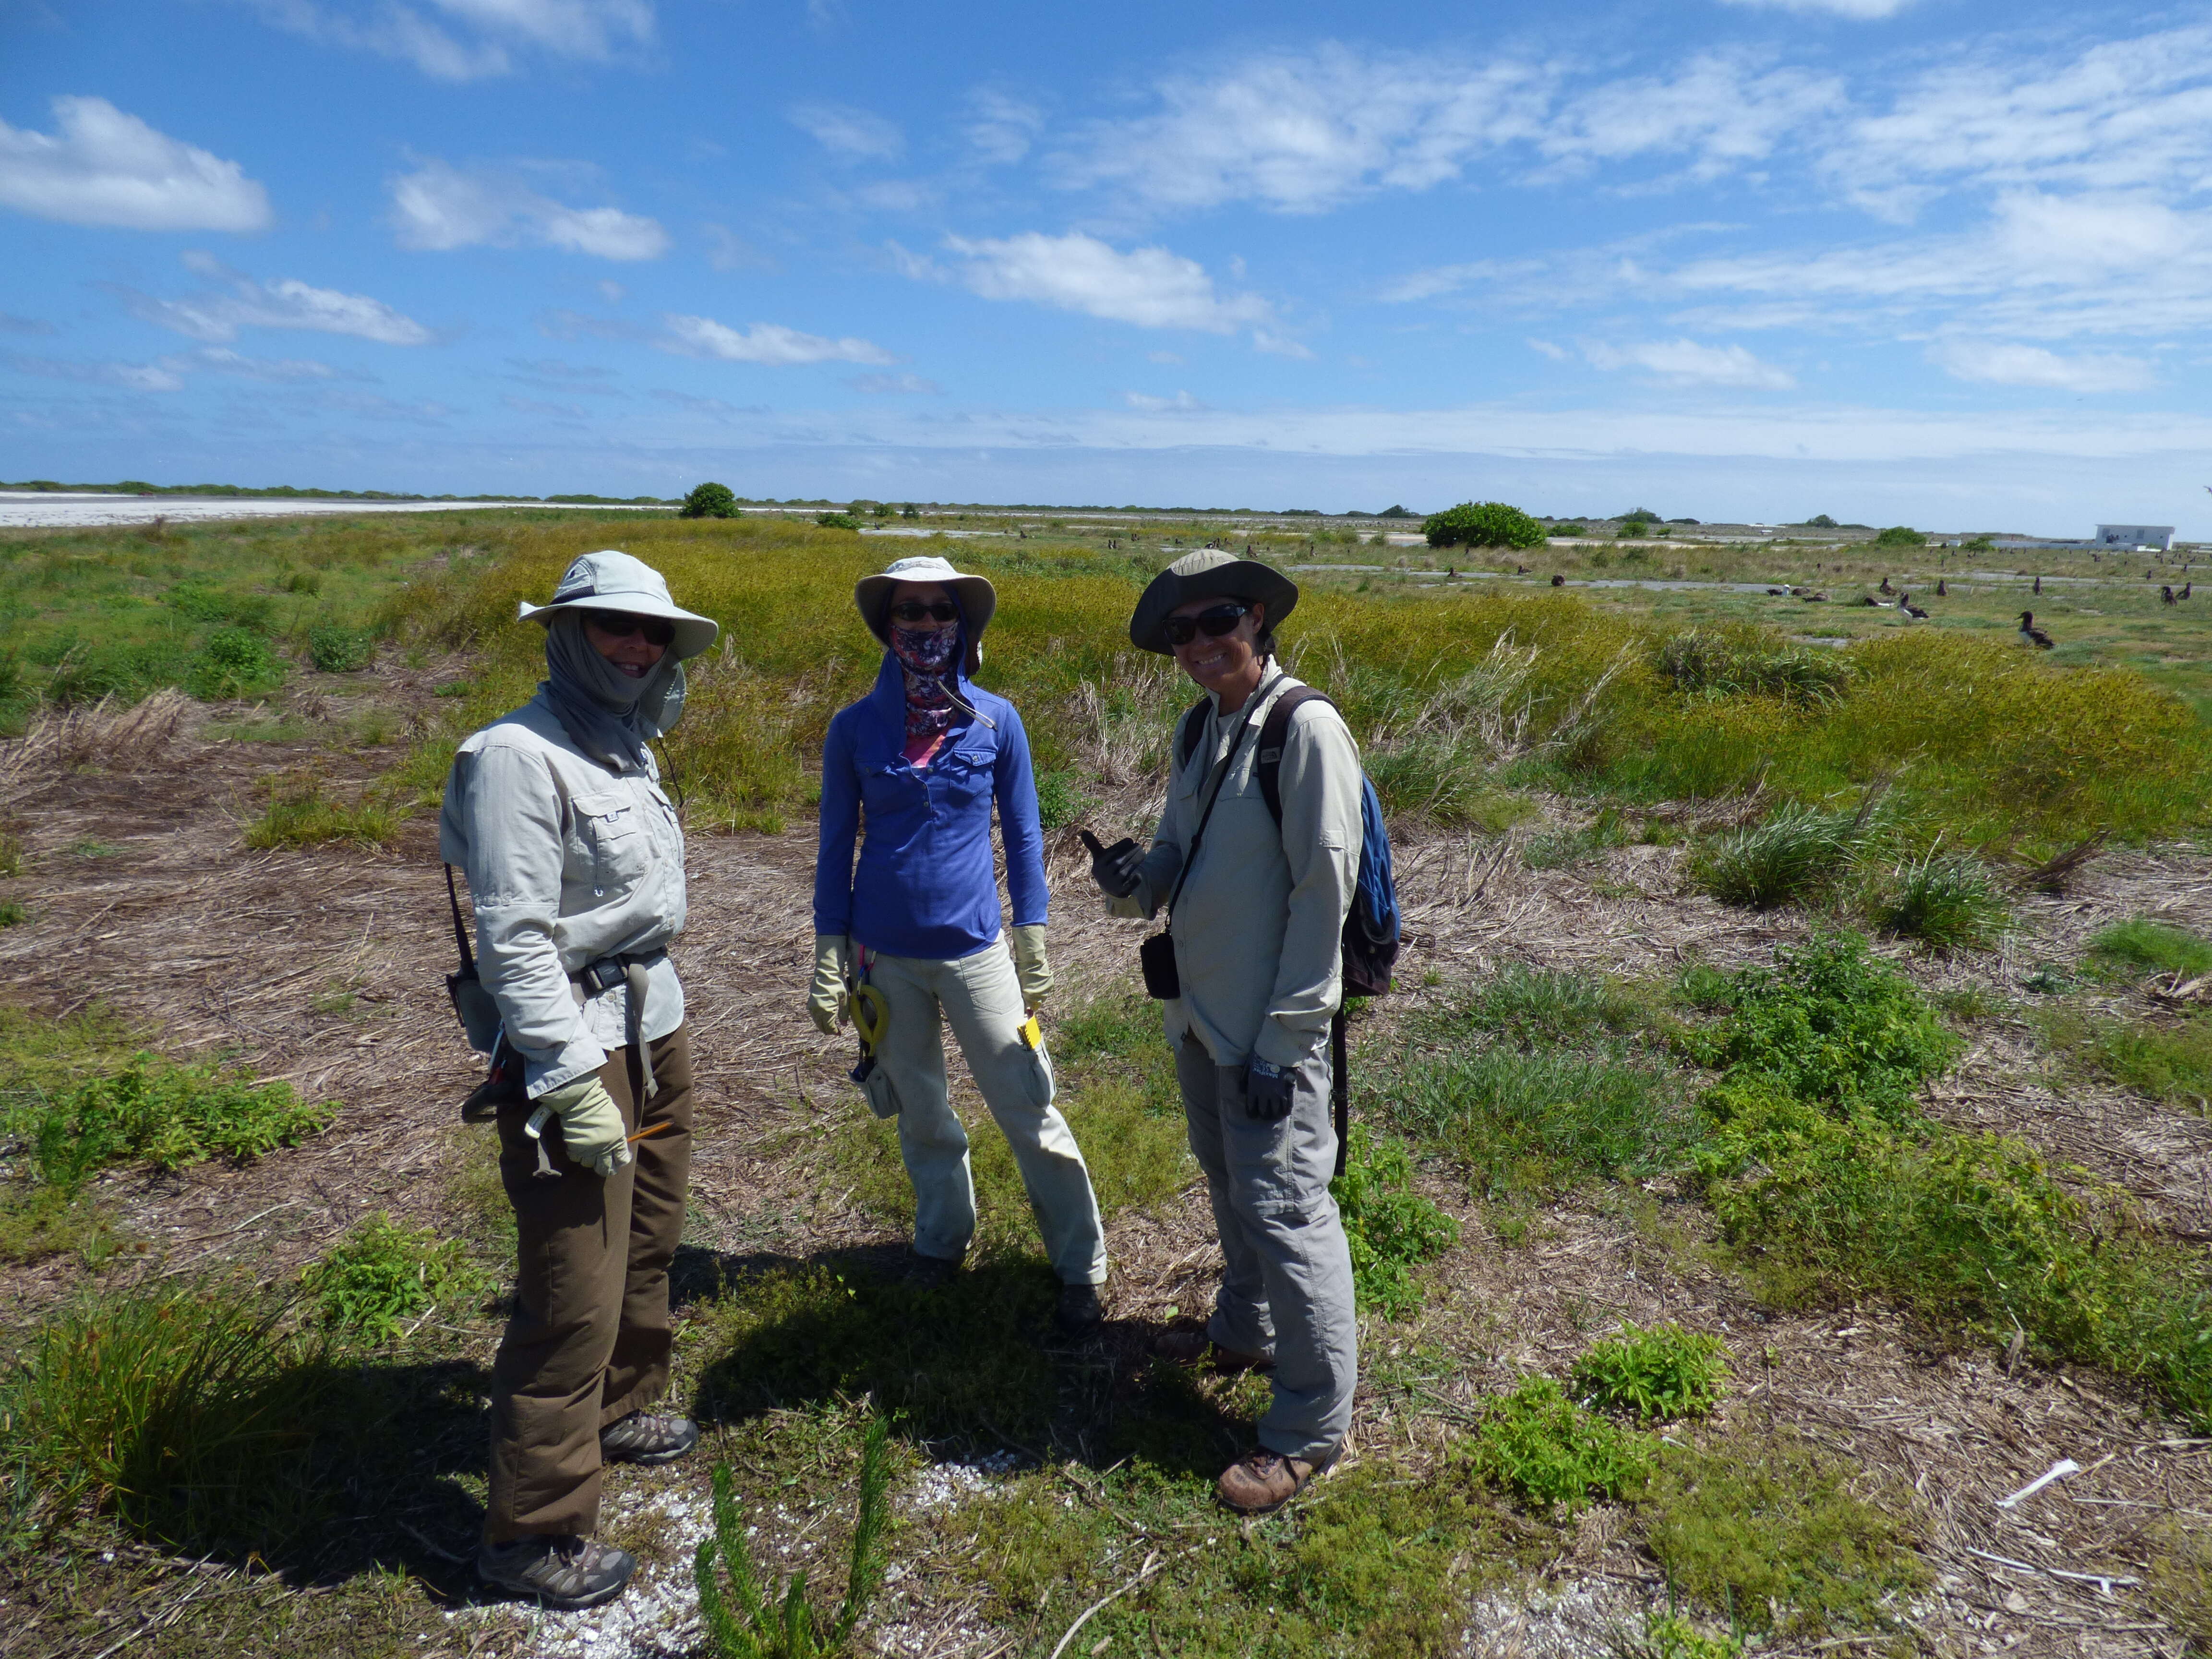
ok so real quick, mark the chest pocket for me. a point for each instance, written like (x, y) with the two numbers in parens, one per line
(961, 779)
(611, 827)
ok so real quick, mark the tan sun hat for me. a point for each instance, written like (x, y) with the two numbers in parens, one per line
(978, 599)
(608, 580)
(1207, 574)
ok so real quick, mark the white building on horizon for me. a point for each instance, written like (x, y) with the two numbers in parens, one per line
(2139, 538)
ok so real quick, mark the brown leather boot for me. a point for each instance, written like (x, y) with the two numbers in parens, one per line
(1193, 1347)
(1260, 1482)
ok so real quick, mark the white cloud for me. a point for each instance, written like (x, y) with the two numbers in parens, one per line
(1991, 363)
(1149, 286)
(853, 134)
(1861, 11)
(1152, 405)
(895, 385)
(1001, 129)
(1686, 362)
(469, 39)
(104, 168)
(130, 377)
(1558, 354)
(1278, 346)
(1721, 111)
(287, 303)
(438, 206)
(1300, 133)
(764, 343)
(283, 371)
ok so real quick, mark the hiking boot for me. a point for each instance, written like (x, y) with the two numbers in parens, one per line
(564, 1573)
(647, 1437)
(1260, 1482)
(1079, 1311)
(1192, 1347)
(928, 1273)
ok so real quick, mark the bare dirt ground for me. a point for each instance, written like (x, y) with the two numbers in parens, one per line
(324, 967)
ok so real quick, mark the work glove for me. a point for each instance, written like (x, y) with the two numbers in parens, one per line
(827, 999)
(1267, 1089)
(1115, 868)
(591, 1125)
(1030, 968)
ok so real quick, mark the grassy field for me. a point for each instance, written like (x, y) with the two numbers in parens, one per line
(1617, 1232)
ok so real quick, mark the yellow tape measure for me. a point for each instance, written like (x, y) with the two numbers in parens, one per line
(1031, 1034)
(872, 1015)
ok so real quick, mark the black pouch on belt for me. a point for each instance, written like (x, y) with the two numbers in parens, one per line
(1156, 956)
(472, 1002)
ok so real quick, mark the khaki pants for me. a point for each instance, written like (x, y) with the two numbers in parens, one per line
(1286, 1270)
(979, 995)
(589, 1340)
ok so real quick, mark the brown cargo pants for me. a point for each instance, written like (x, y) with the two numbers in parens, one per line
(589, 1340)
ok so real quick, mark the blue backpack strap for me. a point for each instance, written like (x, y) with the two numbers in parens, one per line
(1274, 732)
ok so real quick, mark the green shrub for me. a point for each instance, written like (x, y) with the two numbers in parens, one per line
(1060, 802)
(1768, 1531)
(299, 814)
(170, 1116)
(1391, 1228)
(1539, 1445)
(12, 912)
(2140, 945)
(203, 602)
(236, 662)
(1794, 853)
(710, 501)
(1670, 1636)
(1945, 899)
(1566, 529)
(381, 1275)
(764, 1625)
(837, 521)
(1656, 1376)
(1832, 1025)
(124, 670)
(1900, 535)
(1484, 524)
(336, 650)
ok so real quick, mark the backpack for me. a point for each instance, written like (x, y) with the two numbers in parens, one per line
(1372, 927)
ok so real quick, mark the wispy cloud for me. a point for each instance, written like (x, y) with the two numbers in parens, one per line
(1001, 128)
(1149, 287)
(769, 343)
(1996, 363)
(1152, 405)
(895, 385)
(101, 167)
(129, 377)
(14, 324)
(849, 133)
(468, 40)
(438, 206)
(218, 316)
(1686, 362)
(1861, 11)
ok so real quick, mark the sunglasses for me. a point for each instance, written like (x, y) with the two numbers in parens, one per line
(616, 627)
(913, 610)
(1213, 624)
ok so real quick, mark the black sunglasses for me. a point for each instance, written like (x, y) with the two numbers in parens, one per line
(616, 626)
(913, 610)
(1213, 624)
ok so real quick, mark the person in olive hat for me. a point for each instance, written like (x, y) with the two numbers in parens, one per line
(926, 756)
(1256, 914)
(574, 863)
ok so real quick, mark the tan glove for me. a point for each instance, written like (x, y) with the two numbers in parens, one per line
(826, 1000)
(1030, 968)
(591, 1125)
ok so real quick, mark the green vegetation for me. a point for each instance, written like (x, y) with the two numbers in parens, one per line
(764, 1625)
(2140, 945)
(338, 650)
(300, 813)
(1061, 800)
(236, 662)
(380, 1276)
(710, 501)
(1945, 899)
(1794, 854)
(1391, 1228)
(1485, 523)
(170, 1116)
(1656, 1376)
(1900, 535)
(1539, 1445)
(2167, 1060)
(1670, 1636)
(1735, 662)
(837, 521)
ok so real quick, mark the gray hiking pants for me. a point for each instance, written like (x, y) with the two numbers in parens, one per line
(1286, 1271)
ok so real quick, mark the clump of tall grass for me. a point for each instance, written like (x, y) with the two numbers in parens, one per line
(2141, 944)
(2168, 1059)
(301, 813)
(1712, 663)
(1947, 899)
(1792, 854)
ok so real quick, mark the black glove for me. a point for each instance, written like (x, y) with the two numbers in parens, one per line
(1267, 1089)
(1114, 868)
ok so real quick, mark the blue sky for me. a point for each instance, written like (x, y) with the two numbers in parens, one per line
(1925, 261)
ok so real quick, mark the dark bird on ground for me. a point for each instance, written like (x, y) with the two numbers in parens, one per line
(2031, 635)
(1941, 591)
(1814, 598)
(1559, 582)
(1905, 604)
(1774, 593)
(1885, 588)
(2039, 583)
(2146, 575)
(2165, 595)
(2185, 586)
(1520, 569)
(1451, 572)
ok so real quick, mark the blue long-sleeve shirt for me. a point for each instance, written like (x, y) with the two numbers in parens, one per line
(925, 885)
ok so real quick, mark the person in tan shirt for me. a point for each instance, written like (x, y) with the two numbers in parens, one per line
(1257, 917)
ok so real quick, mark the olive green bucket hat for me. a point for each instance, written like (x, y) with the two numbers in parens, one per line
(1207, 575)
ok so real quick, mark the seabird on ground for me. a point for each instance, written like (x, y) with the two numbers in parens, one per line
(2031, 635)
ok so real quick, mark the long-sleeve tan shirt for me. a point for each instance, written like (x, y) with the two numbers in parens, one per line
(1259, 926)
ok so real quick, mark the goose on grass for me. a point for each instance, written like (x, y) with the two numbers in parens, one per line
(2031, 635)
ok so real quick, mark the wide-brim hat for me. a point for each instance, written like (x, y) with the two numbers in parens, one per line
(1207, 575)
(978, 599)
(608, 580)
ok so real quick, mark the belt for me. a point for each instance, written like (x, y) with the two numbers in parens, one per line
(629, 969)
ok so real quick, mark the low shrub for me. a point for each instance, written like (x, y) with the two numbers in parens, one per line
(1391, 1228)
(170, 1116)
(1483, 524)
(381, 1275)
(236, 662)
(1669, 1635)
(1794, 853)
(12, 912)
(710, 501)
(336, 650)
(1767, 1531)
(1945, 899)
(1539, 1445)
(300, 813)
(1060, 802)
(837, 521)
(1656, 1376)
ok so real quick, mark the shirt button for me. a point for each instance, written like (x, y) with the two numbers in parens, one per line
(598, 892)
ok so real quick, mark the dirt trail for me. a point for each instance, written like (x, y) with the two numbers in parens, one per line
(324, 968)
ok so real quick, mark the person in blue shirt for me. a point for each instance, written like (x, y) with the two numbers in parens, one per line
(924, 756)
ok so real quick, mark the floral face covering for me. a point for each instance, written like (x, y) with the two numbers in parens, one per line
(928, 656)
